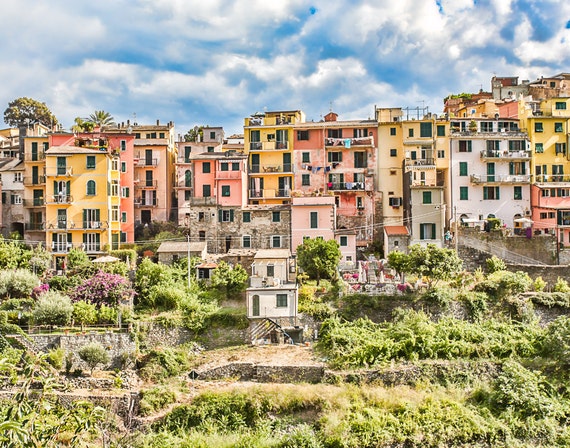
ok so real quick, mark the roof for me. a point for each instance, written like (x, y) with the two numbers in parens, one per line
(181, 246)
(68, 149)
(207, 266)
(272, 253)
(396, 230)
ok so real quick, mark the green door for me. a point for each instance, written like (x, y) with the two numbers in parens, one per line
(490, 172)
(255, 305)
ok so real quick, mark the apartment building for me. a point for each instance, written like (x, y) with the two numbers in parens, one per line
(12, 176)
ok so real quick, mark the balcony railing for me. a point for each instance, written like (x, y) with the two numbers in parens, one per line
(183, 159)
(59, 199)
(94, 225)
(34, 180)
(270, 193)
(207, 200)
(355, 186)
(35, 226)
(500, 178)
(142, 202)
(268, 146)
(507, 155)
(62, 247)
(553, 178)
(36, 202)
(144, 183)
(350, 142)
(285, 168)
(31, 157)
(146, 162)
(421, 163)
(60, 171)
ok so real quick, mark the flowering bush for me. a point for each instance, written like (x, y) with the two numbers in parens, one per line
(404, 287)
(39, 290)
(103, 289)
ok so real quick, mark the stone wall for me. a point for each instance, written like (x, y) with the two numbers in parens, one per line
(244, 371)
(118, 345)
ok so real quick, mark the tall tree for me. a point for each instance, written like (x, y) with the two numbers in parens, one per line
(81, 125)
(101, 118)
(433, 262)
(318, 258)
(195, 134)
(28, 111)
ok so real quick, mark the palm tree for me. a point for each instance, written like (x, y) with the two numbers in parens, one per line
(100, 118)
(82, 125)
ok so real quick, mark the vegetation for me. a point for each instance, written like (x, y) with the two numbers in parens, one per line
(93, 354)
(22, 111)
(53, 308)
(319, 258)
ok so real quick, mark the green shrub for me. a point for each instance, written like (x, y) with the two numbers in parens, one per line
(504, 284)
(84, 313)
(476, 303)
(18, 283)
(441, 297)
(539, 284)
(53, 308)
(55, 357)
(556, 344)
(166, 297)
(107, 315)
(551, 299)
(155, 399)
(495, 264)
(93, 354)
(561, 285)
(163, 363)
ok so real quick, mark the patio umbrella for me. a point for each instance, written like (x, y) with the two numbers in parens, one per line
(106, 259)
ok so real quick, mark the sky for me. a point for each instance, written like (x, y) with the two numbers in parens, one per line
(215, 62)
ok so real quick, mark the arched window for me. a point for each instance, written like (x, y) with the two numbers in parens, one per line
(187, 178)
(91, 188)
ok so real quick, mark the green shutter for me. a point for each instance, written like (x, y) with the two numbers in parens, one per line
(220, 216)
(485, 194)
(433, 231)
(497, 193)
(421, 231)
(84, 238)
(231, 215)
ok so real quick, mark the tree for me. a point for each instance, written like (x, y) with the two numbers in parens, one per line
(84, 313)
(28, 111)
(53, 308)
(93, 354)
(101, 118)
(103, 288)
(231, 279)
(81, 125)
(195, 134)
(433, 262)
(399, 262)
(318, 258)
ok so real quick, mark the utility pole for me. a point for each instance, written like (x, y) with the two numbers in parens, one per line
(188, 237)
(456, 229)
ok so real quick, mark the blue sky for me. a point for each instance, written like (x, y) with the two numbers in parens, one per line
(214, 62)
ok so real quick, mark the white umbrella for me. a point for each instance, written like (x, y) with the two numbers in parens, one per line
(106, 259)
(524, 220)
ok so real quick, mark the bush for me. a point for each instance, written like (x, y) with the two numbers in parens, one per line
(107, 315)
(84, 313)
(103, 289)
(163, 363)
(441, 297)
(166, 297)
(18, 283)
(55, 357)
(93, 354)
(561, 285)
(476, 303)
(556, 342)
(155, 399)
(53, 308)
(539, 284)
(505, 284)
(495, 264)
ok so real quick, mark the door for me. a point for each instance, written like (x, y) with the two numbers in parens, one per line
(148, 157)
(61, 218)
(287, 162)
(284, 187)
(60, 242)
(149, 180)
(38, 198)
(61, 166)
(145, 216)
(255, 306)
(35, 175)
(490, 172)
(255, 163)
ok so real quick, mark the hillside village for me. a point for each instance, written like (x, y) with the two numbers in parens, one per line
(395, 281)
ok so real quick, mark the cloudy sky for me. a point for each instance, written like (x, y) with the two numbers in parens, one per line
(215, 62)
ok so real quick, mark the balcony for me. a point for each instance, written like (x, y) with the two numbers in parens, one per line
(268, 146)
(344, 186)
(34, 180)
(147, 183)
(59, 199)
(505, 155)
(36, 202)
(61, 171)
(285, 168)
(350, 142)
(94, 225)
(204, 200)
(500, 178)
(35, 227)
(142, 202)
(61, 247)
(552, 178)
(182, 159)
(183, 184)
(270, 193)
(426, 163)
(35, 157)
(146, 162)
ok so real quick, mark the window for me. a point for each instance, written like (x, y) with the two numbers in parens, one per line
(343, 241)
(114, 188)
(518, 193)
(314, 220)
(302, 135)
(426, 197)
(225, 215)
(516, 145)
(246, 241)
(91, 188)
(441, 130)
(335, 157)
(427, 231)
(212, 135)
(90, 162)
(334, 133)
(463, 193)
(486, 126)
(115, 164)
(123, 167)
(560, 105)
(395, 202)
(206, 167)
(538, 126)
(206, 191)
(491, 193)
(17, 177)
(187, 178)
(538, 148)
(360, 159)
(392, 131)
(463, 168)
(305, 180)
(225, 190)
(125, 192)
(202, 235)
(558, 127)
(123, 216)
(115, 213)
(425, 129)
(235, 166)
(270, 271)
(276, 216)
(276, 241)
(123, 145)
(246, 217)
(543, 215)
(492, 145)
(441, 153)
(359, 203)
(281, 301)
(560, 148)
(465, 145)
(410, 132)
(16, 199)
(306, 157)
(393, 152)
(224, 166)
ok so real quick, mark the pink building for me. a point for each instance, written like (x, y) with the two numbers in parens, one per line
(312, 217)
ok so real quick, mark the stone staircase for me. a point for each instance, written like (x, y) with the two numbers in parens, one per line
(493, 249)
(22, 341)
(263, 328)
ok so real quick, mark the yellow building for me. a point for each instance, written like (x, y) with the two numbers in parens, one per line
(82, 202)
(35, 188)
(268, 139)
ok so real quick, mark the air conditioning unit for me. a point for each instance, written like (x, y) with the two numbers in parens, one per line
(527, 212)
